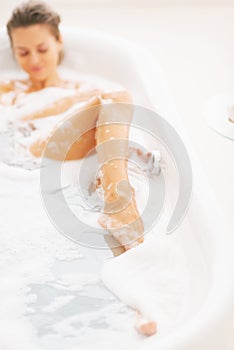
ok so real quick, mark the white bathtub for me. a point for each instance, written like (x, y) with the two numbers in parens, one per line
(206, 239)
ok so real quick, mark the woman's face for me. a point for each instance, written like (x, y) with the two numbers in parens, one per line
(36, 50)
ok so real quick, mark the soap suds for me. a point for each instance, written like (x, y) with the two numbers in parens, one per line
(151, 277)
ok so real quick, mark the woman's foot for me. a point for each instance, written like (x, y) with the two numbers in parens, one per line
(125, 224)
(145, 327)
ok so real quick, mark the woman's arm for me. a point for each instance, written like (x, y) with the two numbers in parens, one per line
(4, 89)
(63, 104)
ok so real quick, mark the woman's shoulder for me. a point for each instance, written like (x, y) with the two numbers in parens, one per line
(6, 86)
(9, 85)
(10, 90)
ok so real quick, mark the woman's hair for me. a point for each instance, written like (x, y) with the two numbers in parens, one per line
(35, 12)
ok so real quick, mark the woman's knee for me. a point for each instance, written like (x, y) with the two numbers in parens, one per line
(116, 111)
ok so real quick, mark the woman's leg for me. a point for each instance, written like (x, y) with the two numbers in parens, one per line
(114, 171)
(113, 159)
(121, 213)
(60, 143)
(120, 204)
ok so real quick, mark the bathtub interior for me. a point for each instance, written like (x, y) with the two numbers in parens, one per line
(91, 53)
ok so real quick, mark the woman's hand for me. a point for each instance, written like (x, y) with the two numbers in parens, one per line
(88, 94)
(117, 96)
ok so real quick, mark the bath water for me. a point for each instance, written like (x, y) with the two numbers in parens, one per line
(45, 278)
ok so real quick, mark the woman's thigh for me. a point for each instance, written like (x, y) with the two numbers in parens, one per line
(72, 139)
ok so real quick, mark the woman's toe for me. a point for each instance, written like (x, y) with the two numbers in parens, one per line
(147, 328)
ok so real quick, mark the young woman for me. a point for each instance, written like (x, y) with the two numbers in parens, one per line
(37, 46)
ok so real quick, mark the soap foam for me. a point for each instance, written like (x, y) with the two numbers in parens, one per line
(151, 277)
